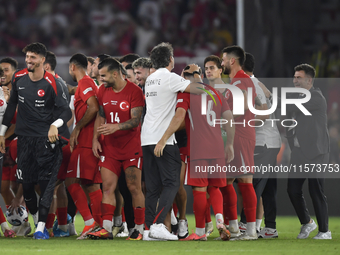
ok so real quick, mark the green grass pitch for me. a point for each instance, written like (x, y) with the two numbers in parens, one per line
(288, 228)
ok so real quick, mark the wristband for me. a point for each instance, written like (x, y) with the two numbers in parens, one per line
(3, 130)
(58, 123)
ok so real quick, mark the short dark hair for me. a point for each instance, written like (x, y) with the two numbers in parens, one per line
(161, 54)
(249, 63)
(128, 66)
(91, 60)
(80, 60)
(37, 48)
(10, 61)
(111, 63)
(103, 56)
(1, 71)
(237, 51)
(129, 58)
(142, 62)
(308, 69)
(51, 59)
(214, 59)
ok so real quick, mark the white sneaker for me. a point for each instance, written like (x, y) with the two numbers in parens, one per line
(306, 229)
(72, 229)
(234, 231)
(146, 237)
(245, 237)
(323, 235)
(209, 228)
(268, 233)
(125, 232)
(242, 227)
(160, 231)
(183, 229)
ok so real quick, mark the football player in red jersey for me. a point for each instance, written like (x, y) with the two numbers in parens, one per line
(202, 133)
(244, 146)
(83, 166)
(121, 104)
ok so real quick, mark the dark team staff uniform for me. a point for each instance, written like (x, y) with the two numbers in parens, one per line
(38, 160)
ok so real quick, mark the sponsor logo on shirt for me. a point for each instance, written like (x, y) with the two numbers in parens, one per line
(20, 88)
(41, 92)
(39, 103)
(105, 103)
(151, 94)
(87, 90)
(124, 106)
(153, 82)
(114, 102)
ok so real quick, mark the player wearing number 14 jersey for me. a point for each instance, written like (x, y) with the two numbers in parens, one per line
(121, 103)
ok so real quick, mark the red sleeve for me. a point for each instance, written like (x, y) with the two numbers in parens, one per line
(100, 95)
(14, 120)
(225, 105)
(137, 97)
(86, 90)
(183, 100)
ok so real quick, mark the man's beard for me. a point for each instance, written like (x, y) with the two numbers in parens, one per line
(226, 70)
(34, 66)
(109, 85)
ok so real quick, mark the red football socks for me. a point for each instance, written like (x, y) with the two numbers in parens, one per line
(249, 201)
(80, 200)
(229, 203)
(175, 208)
(207, 212)
(50, 220)
(123, 215)
(139, 215)
(216, 199)
(96, 200)
(107, 211)
(200, 207)
(62, 216)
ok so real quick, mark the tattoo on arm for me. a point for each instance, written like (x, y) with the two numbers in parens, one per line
(101, 111)
(134, 121)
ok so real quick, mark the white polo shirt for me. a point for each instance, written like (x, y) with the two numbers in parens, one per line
(161, 89)
(268, 134)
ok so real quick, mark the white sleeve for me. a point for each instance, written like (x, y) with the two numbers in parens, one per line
(260, 94)
(72, 102)
(3, 105)
(178, 83)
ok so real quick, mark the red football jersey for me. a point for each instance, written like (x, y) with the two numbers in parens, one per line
(243, 81)
(204, 138)
(86, 89)
(123, 144)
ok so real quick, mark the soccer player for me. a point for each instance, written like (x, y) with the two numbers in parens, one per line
(59, 205)
(95, 72)
(121, 103)
(268, 144)
(8, 184)
(162, 174)
(128, 59)
(38, 95)
(83, 171)
(3, 223)
(244, 146)
(131, 76)
(205, 148)
(90, 63)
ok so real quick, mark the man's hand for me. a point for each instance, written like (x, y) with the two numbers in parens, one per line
(74, 138)
(107, 129)
(229, 152)
(193, 68)
(53, 134)
(96, 147)
(2, 145)
(16, 202)
(158, 151)
(7, 93)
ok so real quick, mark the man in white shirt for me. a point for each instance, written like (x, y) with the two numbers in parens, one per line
(268, 144)
(162, 174)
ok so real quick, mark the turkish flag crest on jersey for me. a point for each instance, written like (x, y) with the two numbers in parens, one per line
(1, 102)
(41, 92)
(124, 106)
